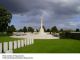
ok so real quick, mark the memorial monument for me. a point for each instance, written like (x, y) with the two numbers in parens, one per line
(39, 35)
(42, 34)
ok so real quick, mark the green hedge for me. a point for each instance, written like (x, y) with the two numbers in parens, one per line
(6, 33)
(70, 35)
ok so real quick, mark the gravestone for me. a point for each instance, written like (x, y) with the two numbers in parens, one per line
(19, 45)
(9, 51)
(0, 47)
(15, 44)
(30, 41)
(5, 46)
(10, 45)
(22, 43)
(25, 42)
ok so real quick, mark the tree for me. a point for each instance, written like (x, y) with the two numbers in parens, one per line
(48, 30)
(30, 29)
(77, 30)
(37, 30)
(24, 29)
(20, 30)
(11, 29)
(44, 28)
(5, 19)
(61, 30)
(54, 29)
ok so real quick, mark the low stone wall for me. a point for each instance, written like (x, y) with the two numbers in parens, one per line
(8, 47)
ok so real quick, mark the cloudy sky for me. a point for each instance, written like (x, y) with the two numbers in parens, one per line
(61, 13)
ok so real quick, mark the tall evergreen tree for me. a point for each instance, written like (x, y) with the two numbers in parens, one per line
(24, 29)
(48, 30)
(30, 29)
(11, 29)
(77, 30)
(44, 28)
(54, 29)
(61, 30)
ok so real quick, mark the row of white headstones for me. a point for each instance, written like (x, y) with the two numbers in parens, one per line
(8, 47)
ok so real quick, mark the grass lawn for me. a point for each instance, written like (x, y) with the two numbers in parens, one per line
(7, 39)
(52, 46)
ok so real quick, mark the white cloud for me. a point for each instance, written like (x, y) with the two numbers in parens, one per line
(78, 8)
(74, 23)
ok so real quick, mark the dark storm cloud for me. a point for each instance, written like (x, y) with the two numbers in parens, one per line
(58, 7)
(52, 10)
(13, 5)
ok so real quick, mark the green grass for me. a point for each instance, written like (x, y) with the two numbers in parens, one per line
(52, 46)
(7, 39)
(47, 46)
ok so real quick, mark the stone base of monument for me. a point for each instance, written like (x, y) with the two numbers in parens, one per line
(44, 36)
(38, 36)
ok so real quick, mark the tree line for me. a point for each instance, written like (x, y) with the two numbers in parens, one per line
(53, 29)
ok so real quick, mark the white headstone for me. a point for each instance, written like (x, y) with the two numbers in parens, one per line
(19, 45)
(5, 46)
(15, 44)
(32, 41)
(0, 47)
(9, 51)
(25, 42)
(10, 45)
(28, 41)
(22, 43)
